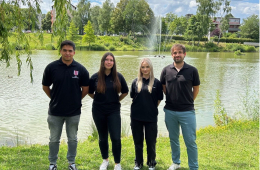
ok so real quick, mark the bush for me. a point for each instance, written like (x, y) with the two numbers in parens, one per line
(238, 52)
(210, 45)
(125, 40)
(235, 47)
(98, 47)
(112, 48)
(50, 46)
(250, 49)
(235, 40)
(19, 47)
(106, 44)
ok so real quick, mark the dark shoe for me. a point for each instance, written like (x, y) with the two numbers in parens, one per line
(52, 167)
(72, 167)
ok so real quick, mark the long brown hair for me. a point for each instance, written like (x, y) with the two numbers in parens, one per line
(101, 85)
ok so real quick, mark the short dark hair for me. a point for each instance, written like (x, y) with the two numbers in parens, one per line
(68, 42)
(179, 46)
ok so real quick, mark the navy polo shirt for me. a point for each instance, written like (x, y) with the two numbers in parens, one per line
(144, 106)
(109, 101)
(66, 84)
(179, 87)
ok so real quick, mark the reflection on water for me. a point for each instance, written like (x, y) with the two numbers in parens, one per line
(24, 106)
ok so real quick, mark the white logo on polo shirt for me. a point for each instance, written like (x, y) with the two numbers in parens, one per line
(76, 73)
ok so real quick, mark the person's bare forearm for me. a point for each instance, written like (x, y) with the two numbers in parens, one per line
(84, 91)
(164, 89)
(122, 96)
(91, 95)
(47, 90)
(195, 91)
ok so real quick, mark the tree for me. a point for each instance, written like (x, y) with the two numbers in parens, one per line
(94, 13)
(168, 19)
(82, 15)
(178, 25)
(89, 36)
(250, 27)
(205, 12)
(46, 22)
(118, 22)
(12, 18)
(224, 10)
(105, 16)
(30, 17)
(73, 31)
(137, 14)
(191, 30)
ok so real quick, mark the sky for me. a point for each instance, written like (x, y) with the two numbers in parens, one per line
(240, 8)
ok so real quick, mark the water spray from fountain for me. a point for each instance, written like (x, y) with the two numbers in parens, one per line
(158, 22)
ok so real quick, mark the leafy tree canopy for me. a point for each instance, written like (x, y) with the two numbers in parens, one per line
(46, 22)
(89, 36)
(250, 27)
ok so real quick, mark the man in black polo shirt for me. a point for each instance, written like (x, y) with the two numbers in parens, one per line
(181, 85)
(70, 84)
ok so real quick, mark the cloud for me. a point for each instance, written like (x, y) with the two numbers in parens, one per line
(95, 4)
(192, 4)
(46, 6)
(240, 8)
(178, 10)
(244, 9)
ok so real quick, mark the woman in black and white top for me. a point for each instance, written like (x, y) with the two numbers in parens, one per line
(147, 94)
(107, 88)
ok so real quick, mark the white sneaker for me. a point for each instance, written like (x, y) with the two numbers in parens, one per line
(72, 167)
(137, 167)
(174, 166)
(151, 168)
(117, 167)
(104, 165)
(52, 167)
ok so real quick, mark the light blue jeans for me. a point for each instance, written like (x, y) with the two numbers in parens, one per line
(55, 125)
(187, 121)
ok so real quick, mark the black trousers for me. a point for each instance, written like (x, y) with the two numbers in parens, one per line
(148, 130)
(109, 123)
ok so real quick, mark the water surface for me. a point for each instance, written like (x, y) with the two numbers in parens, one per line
(24, 106)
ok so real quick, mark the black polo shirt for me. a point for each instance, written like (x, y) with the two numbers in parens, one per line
(109, 101)
(144, 106)
(179, 87)
(66, 84)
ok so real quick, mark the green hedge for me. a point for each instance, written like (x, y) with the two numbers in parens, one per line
(223, 39)
(93, 47)
(235, 40)
(173, 37)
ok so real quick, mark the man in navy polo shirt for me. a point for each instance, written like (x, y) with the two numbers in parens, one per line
(181, 86)
(70, 84)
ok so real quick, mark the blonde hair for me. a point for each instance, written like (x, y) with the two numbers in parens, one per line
(139, 81)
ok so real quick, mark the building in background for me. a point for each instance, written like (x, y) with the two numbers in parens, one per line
(234, 24)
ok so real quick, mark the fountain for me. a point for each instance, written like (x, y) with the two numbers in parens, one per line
(155, 37)
(157, 29)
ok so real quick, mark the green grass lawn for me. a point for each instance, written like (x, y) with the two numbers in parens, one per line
(231, 147)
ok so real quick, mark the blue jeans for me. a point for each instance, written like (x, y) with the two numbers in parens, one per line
(55, 125)
(187, 121)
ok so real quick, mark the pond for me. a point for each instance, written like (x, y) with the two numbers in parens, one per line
(24, 106)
